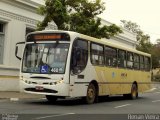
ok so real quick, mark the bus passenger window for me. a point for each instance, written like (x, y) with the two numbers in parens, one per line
(110, 56)
(136, 62)
(141, 63)
(122, 58)
(97, 54)
(147, 63)
(130, 60)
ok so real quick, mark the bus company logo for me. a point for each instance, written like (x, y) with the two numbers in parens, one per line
(113, 74)
(124, 75)
(9, 117)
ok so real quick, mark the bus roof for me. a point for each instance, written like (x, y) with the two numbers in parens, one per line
(89, 38)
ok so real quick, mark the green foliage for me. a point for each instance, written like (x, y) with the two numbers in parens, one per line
(155, 56)
(158, 42)
(143, 40)
(78, 16)
(144, 43)
(54, 10)
(131, 26)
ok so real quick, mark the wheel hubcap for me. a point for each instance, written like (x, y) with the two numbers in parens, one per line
(90, 93)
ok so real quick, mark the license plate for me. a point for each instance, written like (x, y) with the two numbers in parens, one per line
(39, 88)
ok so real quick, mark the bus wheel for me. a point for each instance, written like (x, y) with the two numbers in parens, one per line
(51, 98)
(127, 96)
(91, 94)
(134, 91)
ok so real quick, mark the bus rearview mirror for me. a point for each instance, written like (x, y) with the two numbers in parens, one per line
(18, 50)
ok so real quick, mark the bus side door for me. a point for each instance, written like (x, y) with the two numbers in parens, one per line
(79, 61)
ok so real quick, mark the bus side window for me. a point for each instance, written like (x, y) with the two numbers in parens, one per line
(79, 56)
(136, 62)
(110, 56)
(97, 54)
(121, 58)
(147, 62)
(129, 60)
(141, 62)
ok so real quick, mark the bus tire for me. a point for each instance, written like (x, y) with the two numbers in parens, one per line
(134, 91)
(91, 94)
(126, 96)
(51, 98)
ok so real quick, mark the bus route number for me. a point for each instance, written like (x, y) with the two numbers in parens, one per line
(54, 70)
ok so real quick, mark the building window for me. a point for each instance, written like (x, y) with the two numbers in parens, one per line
(1, 28)
(1, 42)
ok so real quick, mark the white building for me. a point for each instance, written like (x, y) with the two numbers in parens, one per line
(127, 38)
(17, 18)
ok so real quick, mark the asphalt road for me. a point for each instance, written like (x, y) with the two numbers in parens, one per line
(147, 106)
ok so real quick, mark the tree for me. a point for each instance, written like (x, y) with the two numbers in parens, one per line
(143, 40)
(131, 26)
(158, 42)
(155, 56)
(78, 16)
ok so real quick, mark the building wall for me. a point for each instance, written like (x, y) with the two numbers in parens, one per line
(16, 16)
(125, 39)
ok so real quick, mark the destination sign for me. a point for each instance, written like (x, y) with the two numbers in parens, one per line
(48, 37)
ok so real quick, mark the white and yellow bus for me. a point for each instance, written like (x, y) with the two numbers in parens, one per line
(62, 64)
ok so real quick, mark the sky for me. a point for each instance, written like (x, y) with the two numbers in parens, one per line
(146, 13)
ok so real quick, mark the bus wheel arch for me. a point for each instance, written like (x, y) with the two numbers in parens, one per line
(95, 83)
(92, 92)
(134, 90)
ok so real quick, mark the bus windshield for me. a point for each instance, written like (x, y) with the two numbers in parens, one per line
(45, 58)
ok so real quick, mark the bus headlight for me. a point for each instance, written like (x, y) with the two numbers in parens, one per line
(21, 77)
(28, 82)
(58, 82)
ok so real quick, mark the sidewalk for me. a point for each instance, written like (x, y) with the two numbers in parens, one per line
(18, 95)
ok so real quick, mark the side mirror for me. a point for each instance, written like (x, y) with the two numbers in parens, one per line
(17, 51)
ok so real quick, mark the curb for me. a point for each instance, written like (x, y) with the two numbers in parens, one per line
(19, 99)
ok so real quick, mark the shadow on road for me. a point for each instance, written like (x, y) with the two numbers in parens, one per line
(78, 101)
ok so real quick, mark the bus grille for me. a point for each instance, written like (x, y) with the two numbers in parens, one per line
(44, 90)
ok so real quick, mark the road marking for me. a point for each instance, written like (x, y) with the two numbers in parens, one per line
(122, 106)
(42, 98)
(156, 101)
(157, 92)
(53, 116)
(14, 99)
(151, 90)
